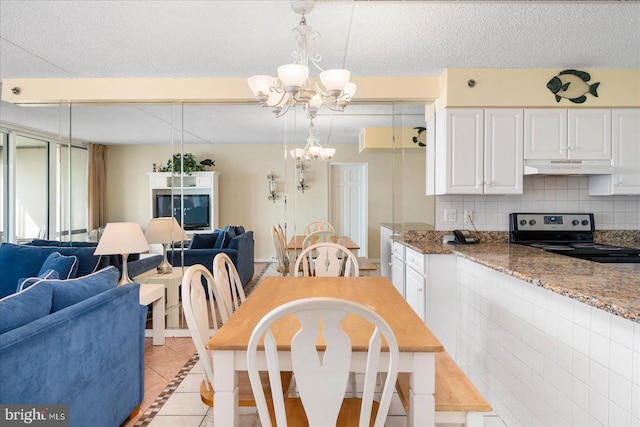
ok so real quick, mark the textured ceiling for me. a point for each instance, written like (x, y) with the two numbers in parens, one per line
(66, 39)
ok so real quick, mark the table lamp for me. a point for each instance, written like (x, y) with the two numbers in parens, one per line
(164, 230)
(122, 238)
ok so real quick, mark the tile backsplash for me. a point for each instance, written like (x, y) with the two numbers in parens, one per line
(559, 194)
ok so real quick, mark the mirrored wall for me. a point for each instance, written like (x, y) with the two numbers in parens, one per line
(375, 179)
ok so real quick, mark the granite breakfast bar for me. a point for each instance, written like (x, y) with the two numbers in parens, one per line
(548, 339)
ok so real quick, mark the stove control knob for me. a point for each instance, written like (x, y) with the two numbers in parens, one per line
(523, 222)
(585, 222)
(575, 222)
(532, 222)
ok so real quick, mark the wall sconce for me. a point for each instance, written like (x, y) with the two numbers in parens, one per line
(302, 185)
(273, 187)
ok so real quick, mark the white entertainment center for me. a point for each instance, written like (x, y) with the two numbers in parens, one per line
(199, 188)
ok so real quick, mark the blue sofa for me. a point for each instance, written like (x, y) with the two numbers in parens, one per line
(23, 261)
(77, 342)
(233, 241)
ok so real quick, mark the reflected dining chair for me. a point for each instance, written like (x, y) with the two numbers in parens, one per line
(317, 226)
(322, 376)
(280, 242)
(327, 259)
(228, 281)
(201, 305)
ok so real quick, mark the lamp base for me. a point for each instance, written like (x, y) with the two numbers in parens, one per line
(164, 268)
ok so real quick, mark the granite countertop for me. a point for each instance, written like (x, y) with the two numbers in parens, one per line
(612, 289)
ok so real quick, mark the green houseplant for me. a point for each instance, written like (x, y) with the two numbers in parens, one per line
(185, 163)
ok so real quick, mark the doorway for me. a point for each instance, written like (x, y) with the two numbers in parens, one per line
(348, 202)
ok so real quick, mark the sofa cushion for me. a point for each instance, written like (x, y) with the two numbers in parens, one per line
(203, 241)
(24, 283)
(18, 261)
(24, 307)
(72, 291)
(65, 266)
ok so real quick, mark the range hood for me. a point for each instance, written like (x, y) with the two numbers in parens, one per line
(567, 167)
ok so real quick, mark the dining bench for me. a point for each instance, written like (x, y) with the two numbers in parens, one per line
(365, 266)
(457, 400)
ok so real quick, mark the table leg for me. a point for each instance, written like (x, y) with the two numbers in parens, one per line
(158, 320)
(173, 306)
(225, 384)
(422, 404)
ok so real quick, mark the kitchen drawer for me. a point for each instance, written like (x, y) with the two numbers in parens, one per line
(398, 250)
(415, 260)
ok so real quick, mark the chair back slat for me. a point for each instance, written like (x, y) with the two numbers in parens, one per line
(228, 280)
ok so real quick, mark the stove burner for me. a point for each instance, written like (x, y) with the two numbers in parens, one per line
(557, 248)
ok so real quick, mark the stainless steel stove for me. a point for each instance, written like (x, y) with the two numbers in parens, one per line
(566, 234)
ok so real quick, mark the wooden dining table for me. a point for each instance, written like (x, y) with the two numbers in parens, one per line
(416, 343)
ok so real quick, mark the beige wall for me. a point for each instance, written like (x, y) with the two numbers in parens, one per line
(243, 187)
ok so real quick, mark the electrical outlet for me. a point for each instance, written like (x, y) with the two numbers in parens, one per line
(468, 215)
(449, 215)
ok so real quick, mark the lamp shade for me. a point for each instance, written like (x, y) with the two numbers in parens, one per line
(334, 80)
(260, 84)
(122, 238)
(164, 230)
(293, 75)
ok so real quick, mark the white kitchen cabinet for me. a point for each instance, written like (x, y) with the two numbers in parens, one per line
(503, 144)
(475, 151)
(459, 151)
(567, 134)
(416, 282)
(397, 266)
(625, 157)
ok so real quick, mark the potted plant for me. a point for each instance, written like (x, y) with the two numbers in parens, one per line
(185, 163)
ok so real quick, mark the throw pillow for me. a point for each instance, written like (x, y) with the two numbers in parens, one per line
(220, 239)
(227, 239)
(65, 266)
(24, 307)
(239, 230)
(203, 241)
(72, 291)
(30, 281)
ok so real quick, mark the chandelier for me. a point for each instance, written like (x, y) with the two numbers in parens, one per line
(313, 150)
(293, 86)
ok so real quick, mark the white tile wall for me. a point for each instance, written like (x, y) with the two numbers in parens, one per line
(542, 359)
(542, 194)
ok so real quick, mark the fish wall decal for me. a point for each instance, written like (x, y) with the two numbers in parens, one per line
(572, 85)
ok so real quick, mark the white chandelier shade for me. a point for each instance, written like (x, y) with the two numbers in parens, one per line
(313, 150)
(293, 85)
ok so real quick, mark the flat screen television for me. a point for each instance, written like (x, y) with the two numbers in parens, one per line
(196, 210)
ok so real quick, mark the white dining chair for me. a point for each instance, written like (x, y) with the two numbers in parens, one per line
(200, 305)
(322, 376)
(320, 236)
(317, 226)
(280, 242)
(228, 280)
(327, 259)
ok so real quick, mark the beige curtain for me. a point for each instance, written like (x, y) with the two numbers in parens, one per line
(97, 186)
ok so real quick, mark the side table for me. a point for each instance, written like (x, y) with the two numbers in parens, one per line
(171, 282)
(153, 293)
